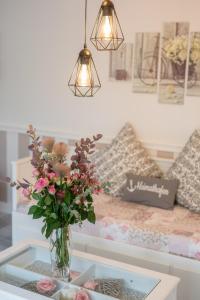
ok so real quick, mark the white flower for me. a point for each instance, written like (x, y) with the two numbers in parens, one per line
(176, 49)
(182, 55)
(195, 56)
(195, 50)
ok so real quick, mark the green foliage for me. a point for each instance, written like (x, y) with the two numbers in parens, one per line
(91, 216)
(57, 213)
(36, 196)
(48, 200)
(36, 211)
(44, 228)
(68, 197)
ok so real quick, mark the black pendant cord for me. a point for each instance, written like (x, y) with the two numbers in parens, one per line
(85, 42)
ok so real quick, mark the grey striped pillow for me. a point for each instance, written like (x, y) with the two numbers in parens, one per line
(124, 154)
(186, 169)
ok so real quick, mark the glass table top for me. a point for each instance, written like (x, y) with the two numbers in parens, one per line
(25, 268)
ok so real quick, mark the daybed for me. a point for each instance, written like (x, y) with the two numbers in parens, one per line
(172, 231)
(162, 240)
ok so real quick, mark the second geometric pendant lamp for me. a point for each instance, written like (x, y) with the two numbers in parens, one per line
(107, 33)
(84, 81)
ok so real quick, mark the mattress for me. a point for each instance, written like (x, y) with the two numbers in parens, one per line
(174, 231)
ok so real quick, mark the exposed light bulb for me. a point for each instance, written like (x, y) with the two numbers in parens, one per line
(106, 28)
(83, 78)
(107, 33)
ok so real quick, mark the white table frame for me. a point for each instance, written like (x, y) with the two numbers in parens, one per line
(165, 290)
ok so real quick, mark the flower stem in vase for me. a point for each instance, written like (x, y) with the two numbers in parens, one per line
(60, 253)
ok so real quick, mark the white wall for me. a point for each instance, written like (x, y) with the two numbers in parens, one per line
(39, 43)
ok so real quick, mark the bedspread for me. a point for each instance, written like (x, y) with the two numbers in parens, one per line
(173, 231)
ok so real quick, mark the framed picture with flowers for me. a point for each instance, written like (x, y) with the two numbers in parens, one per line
(193, 78)
(173, 66)
(146, 58)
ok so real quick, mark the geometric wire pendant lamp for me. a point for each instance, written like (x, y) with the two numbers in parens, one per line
(84, 81)
(107, 33)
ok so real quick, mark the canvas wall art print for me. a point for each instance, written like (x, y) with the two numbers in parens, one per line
(174, 54)
(121, 60)
(193, 78)
(146, 57)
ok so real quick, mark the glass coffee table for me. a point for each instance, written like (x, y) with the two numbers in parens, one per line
(24, 265)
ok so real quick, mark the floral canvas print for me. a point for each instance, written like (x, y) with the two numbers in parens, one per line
(121, 63)
(174, 53)
(146, 54)
(193, 83)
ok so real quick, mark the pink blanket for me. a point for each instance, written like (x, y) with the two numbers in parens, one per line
(176, 231)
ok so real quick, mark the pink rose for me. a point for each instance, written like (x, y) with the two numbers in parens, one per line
(41, 183)
(51, 175)
(45, 286)
(35, 173)
(82, 295)
(91, 285)
(26, 193)
(52, 190)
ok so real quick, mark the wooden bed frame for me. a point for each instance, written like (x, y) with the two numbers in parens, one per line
(188, 270)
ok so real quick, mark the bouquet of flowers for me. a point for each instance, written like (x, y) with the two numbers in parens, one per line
(63, 191)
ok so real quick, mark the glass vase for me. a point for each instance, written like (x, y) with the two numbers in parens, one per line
(60, 252)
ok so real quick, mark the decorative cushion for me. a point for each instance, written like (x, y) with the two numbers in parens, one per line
(186, 169)
(150, 191)
(124, 154)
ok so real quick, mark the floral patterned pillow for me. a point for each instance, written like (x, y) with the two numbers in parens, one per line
(186, 169)
(124, 154)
